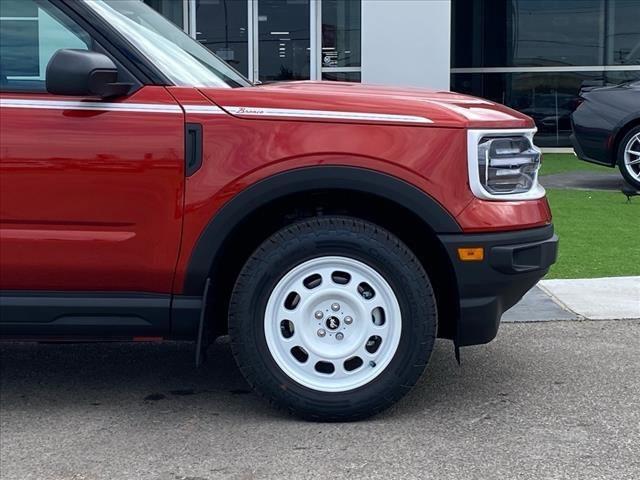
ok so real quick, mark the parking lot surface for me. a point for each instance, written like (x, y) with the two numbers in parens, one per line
(553, 400)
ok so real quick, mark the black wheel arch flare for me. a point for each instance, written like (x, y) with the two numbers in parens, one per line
(298, 181)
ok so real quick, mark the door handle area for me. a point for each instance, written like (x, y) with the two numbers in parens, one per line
(193, 148)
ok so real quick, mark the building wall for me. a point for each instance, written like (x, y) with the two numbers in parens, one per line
(406, 42)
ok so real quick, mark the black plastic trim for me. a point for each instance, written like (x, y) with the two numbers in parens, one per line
(185, 316)
(192, 148)
(513, 264)
(306, 180)
(94, 314)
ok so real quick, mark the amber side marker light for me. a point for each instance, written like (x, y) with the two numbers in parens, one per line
(475, 254)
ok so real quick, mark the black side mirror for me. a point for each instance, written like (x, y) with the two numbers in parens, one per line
(83, 73)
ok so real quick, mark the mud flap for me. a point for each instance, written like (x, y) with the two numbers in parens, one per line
(201, 349)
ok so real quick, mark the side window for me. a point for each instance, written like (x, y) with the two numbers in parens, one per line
(30, 33)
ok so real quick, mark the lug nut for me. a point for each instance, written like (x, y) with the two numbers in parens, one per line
(348, 320)
(335, 307)
(321, 332)
(339, 336)
(318, 315)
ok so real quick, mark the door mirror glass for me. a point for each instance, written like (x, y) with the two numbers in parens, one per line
(83, 73)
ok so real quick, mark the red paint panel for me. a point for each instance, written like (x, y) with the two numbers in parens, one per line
(444, 109)
(91, 200)
(97, 200)
(241, 151)
(487, 216)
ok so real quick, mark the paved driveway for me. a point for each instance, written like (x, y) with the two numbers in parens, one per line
(545, 400)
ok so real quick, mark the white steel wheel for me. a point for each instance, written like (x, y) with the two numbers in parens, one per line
(333, 318)
(332, 324)
(631, 157)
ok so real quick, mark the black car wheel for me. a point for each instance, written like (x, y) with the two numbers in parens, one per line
(332, 318)
(629, 157)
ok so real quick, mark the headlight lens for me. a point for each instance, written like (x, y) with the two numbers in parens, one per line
(507, 165)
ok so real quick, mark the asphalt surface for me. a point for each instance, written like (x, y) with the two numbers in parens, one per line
(553, 400)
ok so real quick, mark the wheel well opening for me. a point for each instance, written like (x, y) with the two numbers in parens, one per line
(266, 220)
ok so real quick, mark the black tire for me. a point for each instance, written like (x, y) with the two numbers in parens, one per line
(347, 237)
(623, 169)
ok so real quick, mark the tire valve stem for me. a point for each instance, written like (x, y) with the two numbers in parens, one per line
(372, 364)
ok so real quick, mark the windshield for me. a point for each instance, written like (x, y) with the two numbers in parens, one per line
(184, 61)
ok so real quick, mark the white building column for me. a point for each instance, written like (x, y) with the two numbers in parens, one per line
(406, 42)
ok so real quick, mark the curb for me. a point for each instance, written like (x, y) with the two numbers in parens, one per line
(609, 298)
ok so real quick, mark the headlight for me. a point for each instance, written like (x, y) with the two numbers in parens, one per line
(504, 164)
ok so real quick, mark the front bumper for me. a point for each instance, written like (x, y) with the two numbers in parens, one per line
(513, 263)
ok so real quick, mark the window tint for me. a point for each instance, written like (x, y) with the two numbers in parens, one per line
(552, 33)
(30, 34)
(222, 27)
(623, 35)
(171, 9)
(545, 33)
(341, 36)
(283, 40)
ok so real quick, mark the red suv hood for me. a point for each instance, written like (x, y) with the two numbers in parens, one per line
(353, 102)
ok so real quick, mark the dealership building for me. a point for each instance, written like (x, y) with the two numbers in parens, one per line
(533, 55)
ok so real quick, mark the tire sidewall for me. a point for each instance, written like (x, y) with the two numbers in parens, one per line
(377, 249)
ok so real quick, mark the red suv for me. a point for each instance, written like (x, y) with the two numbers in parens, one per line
(148, 191)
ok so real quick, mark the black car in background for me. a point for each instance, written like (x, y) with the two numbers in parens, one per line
(606, 128)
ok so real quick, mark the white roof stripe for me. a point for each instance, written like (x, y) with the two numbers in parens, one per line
(100, 106)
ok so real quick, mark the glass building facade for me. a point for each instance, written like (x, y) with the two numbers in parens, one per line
(276, 40)
(533, 55)
(536, 55)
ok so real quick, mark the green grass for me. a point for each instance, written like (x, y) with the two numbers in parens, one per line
(567, 162)
(599, 234)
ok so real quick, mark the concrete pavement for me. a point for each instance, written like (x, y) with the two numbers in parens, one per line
(538, 306)
(597, 298)
(552, 400)
(578, 299)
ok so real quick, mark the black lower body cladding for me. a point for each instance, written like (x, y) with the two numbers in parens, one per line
(513, 263)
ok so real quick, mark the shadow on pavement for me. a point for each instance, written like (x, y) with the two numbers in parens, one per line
(129, 375)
